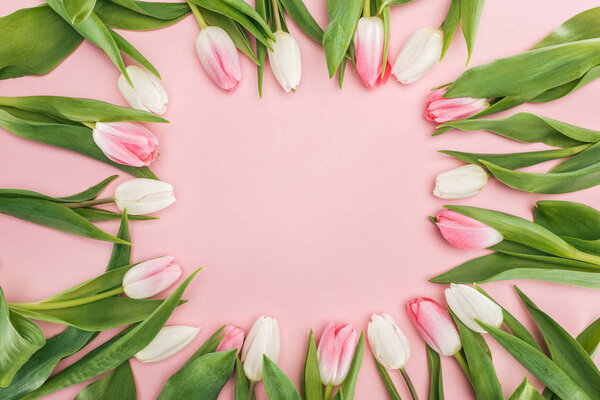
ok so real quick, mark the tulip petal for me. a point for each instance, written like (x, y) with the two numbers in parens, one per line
(169, 341)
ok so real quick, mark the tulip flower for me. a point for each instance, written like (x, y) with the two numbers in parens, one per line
(233, 339)
(470, 305)
(150, 277)
(169, 341)
(466, 233)
(219, 57)
(147, 92)
(440, 109)
(388, 343)
(435, 326)
(263, 339)
(126, 143)
(285, 60)
(461, 182)
(143, 196)
(368, 44)
(335, 352)
(419, 54)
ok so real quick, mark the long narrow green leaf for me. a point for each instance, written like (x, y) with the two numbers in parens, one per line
(300, 14)
(78, 10)
(450, 24)
(243, 7)
(121, 254)
(470, 14)
(117, 384)
(566, 218)
(590, 338)
(98, 214)
(128, 49)
(526, 391)
(120, 17)
(261, 50)
(242, 390)
(436, 383)
(339, 32)
(387, 380)
(277, 385)
(88, 194)
(567, 88)
(580, 27)
(312, 389)
(584, 159)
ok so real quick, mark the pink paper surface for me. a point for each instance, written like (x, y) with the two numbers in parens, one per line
(309, 207)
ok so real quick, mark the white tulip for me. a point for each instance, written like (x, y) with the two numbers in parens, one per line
(285, 60)
(419, 54)
(461, 182)
(263, 339)
(143, 196)
(470, 305)
(388, 343)
(169, 341)
(147, 92)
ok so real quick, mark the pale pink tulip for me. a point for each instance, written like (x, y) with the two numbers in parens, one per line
(233, 339)
(150, 277)
(466, 233)
(126, 143)
(219, 57)
(335, 353)
(368, 44)
(440, 109)
(435, 325)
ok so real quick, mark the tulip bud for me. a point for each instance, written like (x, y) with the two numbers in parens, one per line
(147, 93)
(368, 44)
(169, 341)
(440, 109)
(143, 196)
(466, 233)
(285, 60)
(435, 325)
(461, 182)
(150, 277)
(419, 54)
(336, 349)
(470, 305)
(263, 339)
(388, 343)
(233, 339)
(219, 57)
(126, 143)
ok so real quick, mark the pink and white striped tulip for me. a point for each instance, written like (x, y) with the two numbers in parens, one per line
(335, 353)
(151, 277)
(368, 44)
(466, 233)
(219, 57)
(126, 143)
(435, 325)
(233, 339)
(440, 109)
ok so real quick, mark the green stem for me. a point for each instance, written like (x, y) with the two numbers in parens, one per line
(276, 17)
(89, 203)
(411, 388)
(252, 387)
(367, 8)
(67, 303)
(463, 364)
(197, 14)
(328, 392)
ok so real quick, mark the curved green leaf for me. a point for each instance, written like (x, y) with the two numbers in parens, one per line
(88, 194)
(242, 384)
(436, 384)
(119, 16)
(567, 88)
(582, 160)
(277, 385)
(117, 384)
(300, 14)
(128, 49)
(98, 214)
(78, 10)
(245, 8)
(450, 24)
(312, 389)
(338, 35)
(580, 27)
(590, 338)
(387, 380)
(526, 391)
(470, 14)
(566, 218)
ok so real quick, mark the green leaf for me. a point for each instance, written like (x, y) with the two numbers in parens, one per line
(53, 215)
(450, 24)
(117, 384)
(21, 338)
(526, 391)
(538, 364)
(567, 88)
(305, 21)
(566, 218)
(546, 68)
(88, 194)
(387, 3)
(387, 380)
(261, 50)
(98, 214)
(348, 387)
(78, 10)
(200, 379)
(121, 254)
(565, 351)
(243, 7)
(516, 160)
(590, 338)
(483, 374)
(34, 41)
(113, 353)
(436, 384)
(584, 159)
(242, 385)
(580, 27)
(128, 49)
(277, 385)
(470, 13)
(235, 32)
(120, 17)
(339, 32)
(312, 389)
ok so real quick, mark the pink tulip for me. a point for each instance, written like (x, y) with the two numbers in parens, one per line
(368, 43)
(466, 233)
(335, 353)
(126, 143)
(219, 57)
(440, 109)
(435, 325)
(150, 277)
(233, 339)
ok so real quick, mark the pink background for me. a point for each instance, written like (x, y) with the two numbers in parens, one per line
(309, 207)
